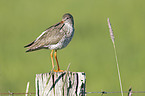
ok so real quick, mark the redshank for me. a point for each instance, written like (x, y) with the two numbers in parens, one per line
(54, 38)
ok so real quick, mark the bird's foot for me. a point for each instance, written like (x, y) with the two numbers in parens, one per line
(58, 70)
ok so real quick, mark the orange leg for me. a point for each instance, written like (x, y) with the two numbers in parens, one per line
(52, 60)
(55, 54)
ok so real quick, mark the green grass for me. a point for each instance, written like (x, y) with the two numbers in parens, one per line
(90, 50)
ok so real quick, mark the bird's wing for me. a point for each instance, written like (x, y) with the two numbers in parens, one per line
(52, 35)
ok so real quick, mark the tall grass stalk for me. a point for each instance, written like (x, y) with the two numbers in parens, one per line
(27, 89)
(113, 41)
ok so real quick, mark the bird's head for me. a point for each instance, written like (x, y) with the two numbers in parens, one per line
(67, 18)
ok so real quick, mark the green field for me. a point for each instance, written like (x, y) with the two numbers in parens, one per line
(90, 51)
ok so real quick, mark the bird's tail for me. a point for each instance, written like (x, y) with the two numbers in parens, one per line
(34, 49)
(29, 44)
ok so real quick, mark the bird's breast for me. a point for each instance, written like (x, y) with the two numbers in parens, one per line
(68, 29)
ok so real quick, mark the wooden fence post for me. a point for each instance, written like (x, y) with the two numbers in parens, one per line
(60, 84)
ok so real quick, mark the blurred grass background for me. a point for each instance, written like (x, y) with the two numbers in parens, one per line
(90, 51)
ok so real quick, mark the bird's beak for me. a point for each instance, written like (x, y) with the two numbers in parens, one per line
(62, 22)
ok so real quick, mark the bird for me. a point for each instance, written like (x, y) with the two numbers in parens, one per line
(55, 37)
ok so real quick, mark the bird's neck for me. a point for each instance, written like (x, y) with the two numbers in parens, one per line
(69, 24)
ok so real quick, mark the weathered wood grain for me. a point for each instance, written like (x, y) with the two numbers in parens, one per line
(60, 84)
